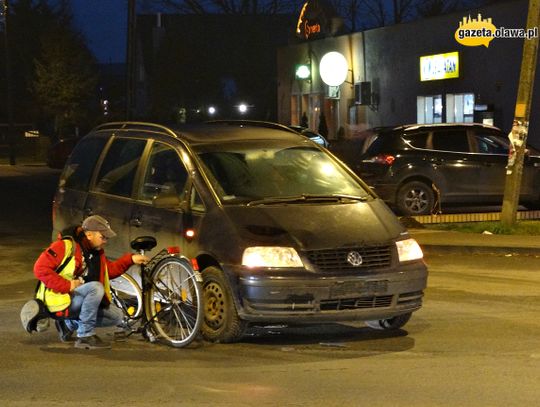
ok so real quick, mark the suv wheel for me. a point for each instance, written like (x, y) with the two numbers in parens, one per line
(391, 323)
(221, 322)
(415, 198)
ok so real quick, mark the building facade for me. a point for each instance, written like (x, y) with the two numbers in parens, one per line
(395, 76)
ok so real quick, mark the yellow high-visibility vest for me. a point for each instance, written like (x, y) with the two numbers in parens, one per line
(56, 301)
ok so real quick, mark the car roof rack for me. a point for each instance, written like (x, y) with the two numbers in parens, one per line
(254, 123)
(136, 126)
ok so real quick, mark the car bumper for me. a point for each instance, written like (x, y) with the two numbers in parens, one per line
(378, 295)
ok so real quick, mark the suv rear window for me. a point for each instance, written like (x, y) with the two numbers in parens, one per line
(450, 140)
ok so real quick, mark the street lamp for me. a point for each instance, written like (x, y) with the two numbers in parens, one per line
(242, 108)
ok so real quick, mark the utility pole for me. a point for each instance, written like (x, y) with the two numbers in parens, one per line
(130, 60)
(520, 127)
(9, 86)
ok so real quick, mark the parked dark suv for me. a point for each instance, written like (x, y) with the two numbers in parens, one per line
(282, 232)
(412, 167)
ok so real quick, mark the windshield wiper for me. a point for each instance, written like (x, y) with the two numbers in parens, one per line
(304, 198)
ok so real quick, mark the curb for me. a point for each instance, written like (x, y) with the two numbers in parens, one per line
(498, 250)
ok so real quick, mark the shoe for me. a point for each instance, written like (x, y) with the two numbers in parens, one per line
(92, 342)
(64, 333)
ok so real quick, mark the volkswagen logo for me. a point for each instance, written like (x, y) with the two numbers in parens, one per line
(354, 259)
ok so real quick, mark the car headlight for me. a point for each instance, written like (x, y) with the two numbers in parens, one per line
(409, 250)
(268, 256)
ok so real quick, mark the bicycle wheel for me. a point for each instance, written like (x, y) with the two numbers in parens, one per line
(127, 296)
(174, 302)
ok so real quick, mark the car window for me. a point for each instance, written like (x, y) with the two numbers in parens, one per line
(243, 173)
(79, 168)
(165, 176)
(376, 144)
(450, 140)
(418, 140)
(490, 143)
(117, 172)
(196, 204)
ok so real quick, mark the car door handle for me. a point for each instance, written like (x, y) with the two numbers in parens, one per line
(137, 222)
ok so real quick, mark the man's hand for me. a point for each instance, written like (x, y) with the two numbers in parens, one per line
(139, 259)
(75, 283)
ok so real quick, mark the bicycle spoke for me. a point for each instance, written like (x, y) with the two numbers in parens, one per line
(174, 301)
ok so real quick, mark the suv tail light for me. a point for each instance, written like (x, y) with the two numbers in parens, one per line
(385, 159)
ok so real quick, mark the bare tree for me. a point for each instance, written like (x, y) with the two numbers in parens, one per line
(366, 14)
(246, 7)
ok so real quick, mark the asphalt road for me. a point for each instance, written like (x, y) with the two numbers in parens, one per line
(476, 342)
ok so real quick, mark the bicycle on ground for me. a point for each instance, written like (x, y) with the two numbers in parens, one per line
(167, 305)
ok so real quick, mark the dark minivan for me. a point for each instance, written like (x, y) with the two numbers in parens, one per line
(282, 232)
(415, 168)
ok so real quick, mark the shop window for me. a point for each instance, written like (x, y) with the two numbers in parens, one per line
(460, 108)
(429, 109)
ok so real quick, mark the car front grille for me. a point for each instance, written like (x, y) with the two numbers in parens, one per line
(309, 306)
(356, 303)
(373, 257)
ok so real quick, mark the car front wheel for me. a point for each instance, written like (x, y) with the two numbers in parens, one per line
(221, 321)
(415, 198)
(390, 323)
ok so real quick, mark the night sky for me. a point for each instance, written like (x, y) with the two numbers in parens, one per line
(103, 23)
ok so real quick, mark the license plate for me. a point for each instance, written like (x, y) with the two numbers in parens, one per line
(357, 288)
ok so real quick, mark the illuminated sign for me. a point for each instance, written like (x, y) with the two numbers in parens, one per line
(333, 68)
(302, 71)
(439, 66)
(305, 28)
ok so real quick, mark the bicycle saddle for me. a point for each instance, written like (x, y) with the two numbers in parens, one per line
(143, 243)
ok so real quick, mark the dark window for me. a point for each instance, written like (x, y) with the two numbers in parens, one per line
(382, 143)
(489, 143)
(165, 175)
(118, 170)
(81, 164)
(417, 140)
(450, 140)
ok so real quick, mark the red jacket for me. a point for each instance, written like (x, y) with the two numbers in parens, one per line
(50, 259)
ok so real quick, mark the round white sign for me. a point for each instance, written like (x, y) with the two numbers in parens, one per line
(333, 68)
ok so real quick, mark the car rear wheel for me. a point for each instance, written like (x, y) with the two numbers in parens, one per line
(391, 323)
(415, 198)
(221, 321)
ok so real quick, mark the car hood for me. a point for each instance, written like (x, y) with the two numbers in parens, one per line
(309, 226)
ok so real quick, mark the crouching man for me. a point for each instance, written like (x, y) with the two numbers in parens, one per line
(74, 275)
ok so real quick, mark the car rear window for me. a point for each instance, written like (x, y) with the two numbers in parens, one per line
(450, 140)
(118, 169)
(418, 140)
(382, 143)
(79, 168)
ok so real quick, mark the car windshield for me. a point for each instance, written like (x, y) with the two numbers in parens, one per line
(256, 173)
